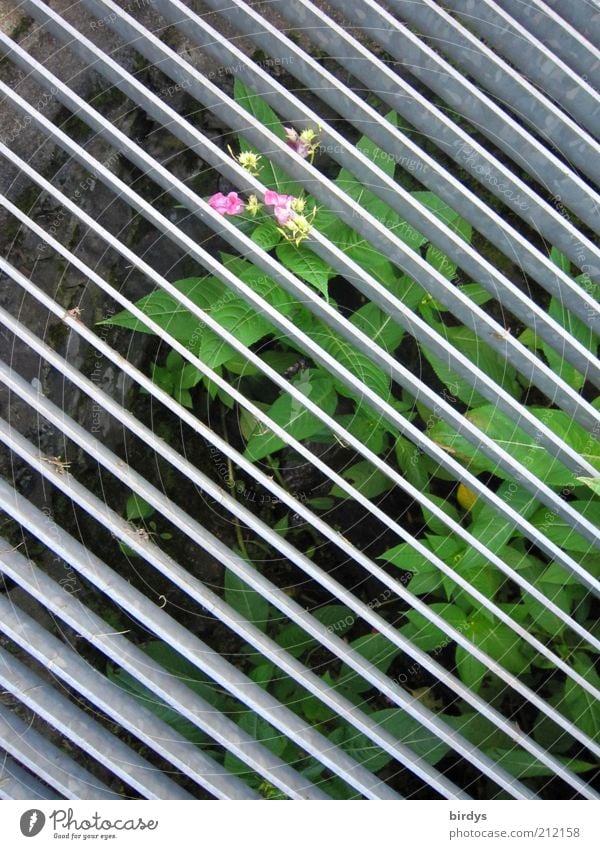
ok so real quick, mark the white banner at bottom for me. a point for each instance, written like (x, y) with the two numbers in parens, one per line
(301, 825)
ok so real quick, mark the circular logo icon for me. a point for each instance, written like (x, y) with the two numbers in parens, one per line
(32, 822)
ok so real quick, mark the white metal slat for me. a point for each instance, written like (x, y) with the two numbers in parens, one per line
(157, 621)
(278, 598)
(540, 63)
(449, 137)
(169, 689)
(470, 314)
(49, 703)
(17, 784)
(45, 759)
(481, 110)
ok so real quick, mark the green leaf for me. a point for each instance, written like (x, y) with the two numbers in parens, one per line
(293, 416)
(560, 532)
(522, 764)
(315, 712)
(159, 708)
(426, 577)
(373, 262)
(266, 235)
(337, 618)
(475, 292)
(561, 260)
(295, 640)
(305, 264)
(379, 157)
(260, 730)
(498, 641)
(491, 362)
(170, 315)
(368, 430)
(137, 508)
(378, 326)
(375, 648)
(520, 445)
(358, 364)
(575, 328)
(246, 601)
(593, 483)
(427, 636)
(425, 744)
(185, 671)
(271, 175)
(262, 674)
(478, 730)
(450, 218)
(414, 464)
(370, 482)
(485, 579)
(360, 747)
(446, 547)
(437, 525)
(438, 259)
(581, 706)
(470, 670)
(494, 532)
(551, 736)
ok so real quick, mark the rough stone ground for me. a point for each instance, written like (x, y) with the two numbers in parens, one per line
(28, 255)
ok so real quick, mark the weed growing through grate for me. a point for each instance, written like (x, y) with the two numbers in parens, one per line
(280, 222)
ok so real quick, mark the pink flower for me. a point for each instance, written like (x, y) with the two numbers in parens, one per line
(297, 143)
(230, 205)
(283, 211)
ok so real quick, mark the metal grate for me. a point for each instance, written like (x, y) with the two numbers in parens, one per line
(498, 111)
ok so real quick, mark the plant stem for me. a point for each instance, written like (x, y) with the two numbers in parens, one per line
(239, 535)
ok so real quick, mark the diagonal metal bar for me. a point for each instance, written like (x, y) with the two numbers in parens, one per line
(537, 61)
(45, 759)
(65, 546)
(435, 125)
(575, 48)
(383, 184)
(17, 784)
(484, 113)
(383, 408)
(78, 726)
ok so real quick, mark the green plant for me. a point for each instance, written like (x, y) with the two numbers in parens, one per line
(281, 225)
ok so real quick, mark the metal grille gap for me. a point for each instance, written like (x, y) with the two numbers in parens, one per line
(501, 92)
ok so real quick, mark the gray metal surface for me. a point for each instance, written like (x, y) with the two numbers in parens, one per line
(500, 73)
